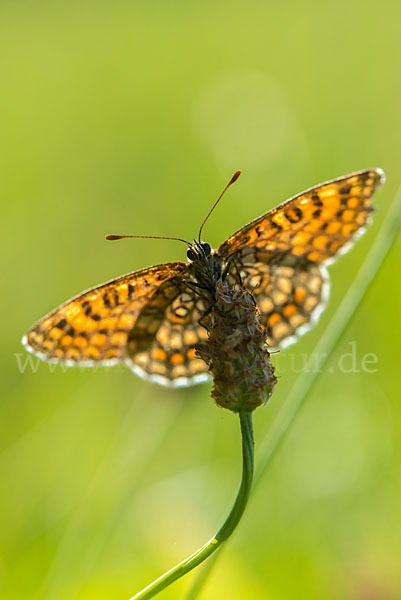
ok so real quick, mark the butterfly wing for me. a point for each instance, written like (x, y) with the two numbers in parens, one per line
(161, 345)
(282, 255)
(310, 228)
(151, 319)
(95, 325)
(290, 298)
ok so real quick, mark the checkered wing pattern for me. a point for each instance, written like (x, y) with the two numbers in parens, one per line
(95, 325)
(282, 255)
(151, 318)
(290, 299)
(161, 345)
(310, 228)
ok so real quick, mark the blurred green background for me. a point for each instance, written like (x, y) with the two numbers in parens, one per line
(130, 117)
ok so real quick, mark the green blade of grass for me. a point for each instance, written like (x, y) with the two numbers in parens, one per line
(324, 349)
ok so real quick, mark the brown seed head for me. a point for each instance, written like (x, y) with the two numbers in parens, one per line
(236, 351)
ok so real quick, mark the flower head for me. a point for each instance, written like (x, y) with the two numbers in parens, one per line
(236, 351)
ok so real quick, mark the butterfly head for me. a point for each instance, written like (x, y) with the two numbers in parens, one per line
(205, 265)
(198, 251)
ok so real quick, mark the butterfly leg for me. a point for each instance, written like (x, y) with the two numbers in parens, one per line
(227, 269)
(195, 287)
(195, 284)
(205, 314)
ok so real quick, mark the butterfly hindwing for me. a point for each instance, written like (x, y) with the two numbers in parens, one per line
(161, 346)
(290, 299)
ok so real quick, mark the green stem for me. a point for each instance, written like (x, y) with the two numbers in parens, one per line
(228, 526)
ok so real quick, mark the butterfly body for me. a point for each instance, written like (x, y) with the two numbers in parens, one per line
(151, 318)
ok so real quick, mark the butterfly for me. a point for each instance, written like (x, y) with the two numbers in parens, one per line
(152, 318)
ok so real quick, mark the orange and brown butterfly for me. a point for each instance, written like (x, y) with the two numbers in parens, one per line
(151, 318)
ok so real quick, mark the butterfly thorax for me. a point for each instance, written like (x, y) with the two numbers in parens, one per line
(205, 266)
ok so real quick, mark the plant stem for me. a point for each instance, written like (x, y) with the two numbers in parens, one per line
(228, 526)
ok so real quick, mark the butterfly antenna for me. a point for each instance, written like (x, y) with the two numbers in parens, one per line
(152, 237)
(232, 180)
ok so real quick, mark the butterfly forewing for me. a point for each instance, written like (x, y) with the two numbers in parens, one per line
(95, 325)
(312, 227)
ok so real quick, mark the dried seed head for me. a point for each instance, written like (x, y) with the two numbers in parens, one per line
(236, 351)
